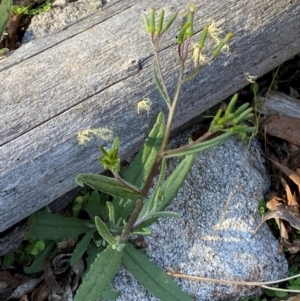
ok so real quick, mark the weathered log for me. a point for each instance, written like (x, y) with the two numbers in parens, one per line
(279, 103)
(94, 72)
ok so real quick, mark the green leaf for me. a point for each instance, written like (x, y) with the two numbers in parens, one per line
(81, 247)
(139, 169)
(40, 245)
(95, 205)
(110, 294)
(38, 263)
(159, 85)
(98, 278)
(92, 253)
(158, 191)
(151, 276)
(152, 203)
(4, 51)
(168, 189)
(175, 181)
(202, 146)
(111, 213)
(152, 218)
(104, 231)
(4, 13)
(254, 88)
(55, 227)
(8, 260)
(281, 294)
(107, 185)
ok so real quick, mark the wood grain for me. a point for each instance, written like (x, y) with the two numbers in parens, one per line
(94, 72)
(280, 103)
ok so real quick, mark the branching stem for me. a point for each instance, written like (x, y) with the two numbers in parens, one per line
(126, 184)
(163, 147)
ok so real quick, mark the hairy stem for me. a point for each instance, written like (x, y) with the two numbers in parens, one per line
(163, 147)
(179, 149)
(126, 184)
(155, 48)
(132, 219)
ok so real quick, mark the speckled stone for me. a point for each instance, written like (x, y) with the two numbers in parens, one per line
(61, 15)
(213, 238)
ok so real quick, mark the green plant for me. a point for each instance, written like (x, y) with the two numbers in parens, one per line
(4, 13)
(131, 210)
(121, 206)
(25, 255)
(28, 10)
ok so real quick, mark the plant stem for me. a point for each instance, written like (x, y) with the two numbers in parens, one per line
(164, 144)
(132, 219)
(179, 149)
(155, 48)
(126, 184)
(196, 70)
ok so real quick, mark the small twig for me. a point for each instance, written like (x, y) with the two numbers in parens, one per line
(244, 283)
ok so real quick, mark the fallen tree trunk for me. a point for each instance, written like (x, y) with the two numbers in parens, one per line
(93, 74)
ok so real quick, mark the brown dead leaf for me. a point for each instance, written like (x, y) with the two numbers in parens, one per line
(295, 156)
(274, 201)
(287, 213)
(61, 263)
(8, 280)
(287, 128)
(41, 293)
(283, 231)
(11, 29)
(24, 298)
(291, 198)
(290, 173)
(78, 270)
(293, 247)
(50, 279)
(66, 243)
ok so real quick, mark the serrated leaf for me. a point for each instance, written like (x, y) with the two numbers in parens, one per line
(104, 231)
(107, 185)
(4, 13)
(38, 263)
(98, 278)
(151, 276)
(54, 226)
(81, 247)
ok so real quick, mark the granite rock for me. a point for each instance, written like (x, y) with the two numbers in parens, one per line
(214, 236)
(62, 14)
